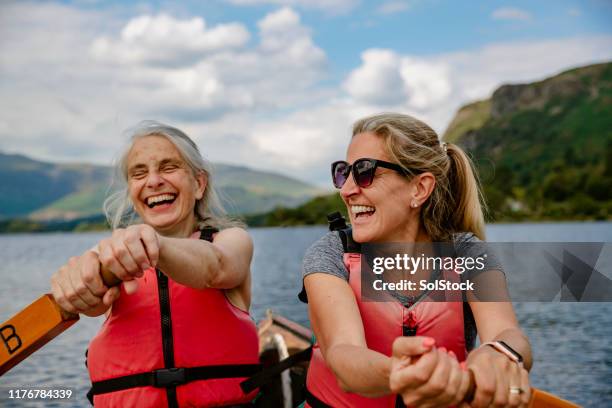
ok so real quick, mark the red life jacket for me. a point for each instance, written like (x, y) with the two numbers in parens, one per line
(383, 322)
(172, 345)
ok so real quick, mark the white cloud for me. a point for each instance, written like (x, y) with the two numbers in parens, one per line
(378, 80)
(434, 87)
(164, 40)
(393, 6)
(93, 75)
(328, 6)
(388, 79)
(257, 102)
(283, 33)
(511, 13)
(427, 83)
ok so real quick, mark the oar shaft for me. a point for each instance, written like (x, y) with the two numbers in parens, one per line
(36, 325)
(539, 398)
(30, 329)
(108, 278)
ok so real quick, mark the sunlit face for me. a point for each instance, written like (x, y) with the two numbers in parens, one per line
(162, 186)
(380, 212)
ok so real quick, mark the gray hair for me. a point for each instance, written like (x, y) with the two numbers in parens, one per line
(118, 206)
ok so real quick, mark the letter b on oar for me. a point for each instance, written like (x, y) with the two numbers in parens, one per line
(11, 340)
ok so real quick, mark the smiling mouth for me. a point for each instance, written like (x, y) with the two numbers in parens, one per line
(160, 200)
(362, 210)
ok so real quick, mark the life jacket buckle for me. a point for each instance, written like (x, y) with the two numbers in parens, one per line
(168, 377)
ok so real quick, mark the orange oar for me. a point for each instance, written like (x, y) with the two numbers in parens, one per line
(35, 326)
(539, 398)
(542, 399)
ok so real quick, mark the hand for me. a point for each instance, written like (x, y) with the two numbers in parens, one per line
(78, 288)
(130, 251)
(426, 376)
(494, 374)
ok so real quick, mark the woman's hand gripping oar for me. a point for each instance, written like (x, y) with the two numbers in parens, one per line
(408, 351)
(36, 325)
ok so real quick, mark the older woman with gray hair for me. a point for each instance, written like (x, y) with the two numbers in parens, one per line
(177, 331)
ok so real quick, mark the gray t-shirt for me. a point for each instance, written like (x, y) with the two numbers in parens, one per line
(326, 254)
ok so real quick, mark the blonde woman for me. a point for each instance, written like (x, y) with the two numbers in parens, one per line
(400, 184)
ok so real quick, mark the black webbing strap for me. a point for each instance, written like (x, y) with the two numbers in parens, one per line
(337, 223)
(172, 377)
(207, 233)
(313, 401)
(268, 373)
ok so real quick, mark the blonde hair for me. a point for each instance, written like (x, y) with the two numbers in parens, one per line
(456, 202)
(118, 206)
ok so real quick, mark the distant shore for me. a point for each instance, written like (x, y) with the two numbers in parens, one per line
(272, 219)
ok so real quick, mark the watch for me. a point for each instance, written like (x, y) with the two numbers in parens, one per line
(504, 348)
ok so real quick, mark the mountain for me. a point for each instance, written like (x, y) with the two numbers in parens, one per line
(543, 149)
(45, 191)
(29, 185)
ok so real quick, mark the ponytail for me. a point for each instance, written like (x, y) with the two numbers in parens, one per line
(464, 187)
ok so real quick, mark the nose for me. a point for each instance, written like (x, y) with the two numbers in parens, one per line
(349, 188)
(154, 179)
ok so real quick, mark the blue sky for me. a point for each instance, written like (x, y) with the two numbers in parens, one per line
(274, 84)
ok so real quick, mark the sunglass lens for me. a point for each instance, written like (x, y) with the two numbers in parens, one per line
(364, 172)
(340, 171)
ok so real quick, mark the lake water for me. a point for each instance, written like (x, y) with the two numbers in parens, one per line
(571, 341)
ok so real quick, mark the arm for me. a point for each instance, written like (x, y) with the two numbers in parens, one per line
(495, 318)
(339, 330)
(497, 321)
(222, 264)
(494, 373)
(199, 264)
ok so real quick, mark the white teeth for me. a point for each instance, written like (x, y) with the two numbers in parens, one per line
(158, 198)
(358, 209)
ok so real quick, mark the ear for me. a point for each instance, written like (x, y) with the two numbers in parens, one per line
(424, 184)
(202, 182)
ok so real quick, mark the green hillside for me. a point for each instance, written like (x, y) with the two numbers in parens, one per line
(46, 191)
(544, 150)
(29, 185)
(312, 212)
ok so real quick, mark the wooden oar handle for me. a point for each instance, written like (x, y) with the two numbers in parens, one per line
(108, 278)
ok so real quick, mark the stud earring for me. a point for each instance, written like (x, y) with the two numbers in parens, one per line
(413, 205)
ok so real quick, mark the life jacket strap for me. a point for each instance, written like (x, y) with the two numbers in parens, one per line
(207, 233)
(337, 223)
(172, 377)
(269, 373)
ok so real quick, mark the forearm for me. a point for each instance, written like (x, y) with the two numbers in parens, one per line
(516, 339)
(360, 370)
(193, 263)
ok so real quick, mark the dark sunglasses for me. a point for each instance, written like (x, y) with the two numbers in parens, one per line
(363, 171)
